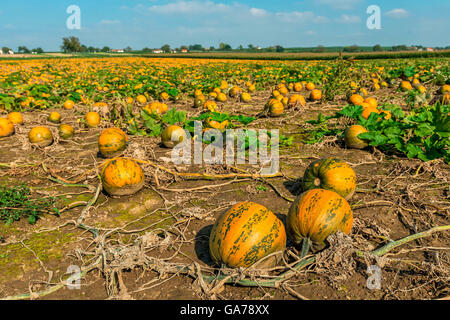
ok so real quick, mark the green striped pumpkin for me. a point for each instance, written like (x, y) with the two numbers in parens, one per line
(245, 234)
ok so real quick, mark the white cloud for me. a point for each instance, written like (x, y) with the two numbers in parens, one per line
(258, 12)
(190, 7)
(297, 16)
(109, 22)
(340, 4)
(398, 13)
(348, 19)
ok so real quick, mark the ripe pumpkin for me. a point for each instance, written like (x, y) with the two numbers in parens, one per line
(234, 92)
(164, 96)
(245, 97)
(54, 117)
(15, 117)
(372, 102)
(368, 111)
(356, 99)
(310, 86)
(298, 87)
(68, 104)
(275, 109)
(92, 119)
(65, 131)
(6, 127)
(122, 177)
(141, 99)
(210, 106)
(40, 136)
(221, 97)
(315, 95)
(284, 91)
(129, 100)
(316, 214)
(252, 88)
(112, 142)
(173, 135)
(406, 86)
(245, 234)
(445, 89)
(351, 137)
(295, 100)
(330, 174)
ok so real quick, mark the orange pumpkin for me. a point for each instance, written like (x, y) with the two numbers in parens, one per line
(112, 142)
(316, 214)
(65, 131)
(121, 177)
(245, 234)
(406, 86)
(315, 95)
(351, 137)
(15, 117)
(372, 102)
(221, 97)
(173, 135)
(141, 99)
(40, 136)
(164, 96)
(368, 111)
(330, 174)
(296, 100)
(6, 127)
(275, 109)
(54, 117)
(92, 119)
(298, 87)
(210, 106)
(68, 104)
(310, 86)
(235, 91)
(356, 99)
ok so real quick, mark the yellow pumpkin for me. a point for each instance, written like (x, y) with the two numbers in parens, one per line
(173, 135)
(54, 117)
(65, 131)
(6, 127)
(351, 137)
(210, 106)
(245, 97)
(15, 117)
(141, 99)
(122, 177)
(298, 87)
(112, 142)
(245, 234)
(40, 136)
(310, 86)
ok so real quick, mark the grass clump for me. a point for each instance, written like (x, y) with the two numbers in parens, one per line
(16, 203)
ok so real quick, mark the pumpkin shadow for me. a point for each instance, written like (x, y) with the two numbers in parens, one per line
(295, 187)
(202, 245)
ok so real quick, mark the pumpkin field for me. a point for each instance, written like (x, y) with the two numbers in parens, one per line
(358, 207)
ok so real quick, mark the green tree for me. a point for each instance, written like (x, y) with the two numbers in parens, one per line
(377, 48)
(106, 49)
(166, 48)
(71, 44)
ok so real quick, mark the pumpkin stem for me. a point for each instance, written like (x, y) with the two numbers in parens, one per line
(317, 182)
(305, 247)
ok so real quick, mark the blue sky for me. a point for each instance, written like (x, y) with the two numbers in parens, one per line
(290, 23)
